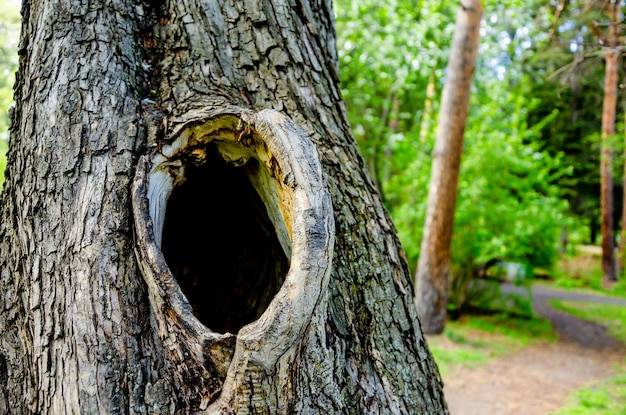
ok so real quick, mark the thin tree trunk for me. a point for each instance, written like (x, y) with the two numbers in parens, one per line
(623, 233)
(434, 262)
(427, 114)
(239, 297)
(609, 109)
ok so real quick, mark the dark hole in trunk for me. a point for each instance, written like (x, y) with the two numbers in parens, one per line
(221, 245)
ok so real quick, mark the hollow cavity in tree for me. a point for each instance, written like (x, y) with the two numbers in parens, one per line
(221, 245)
(257, 176)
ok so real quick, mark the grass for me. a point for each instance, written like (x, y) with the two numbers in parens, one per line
(612, 316)
(609, 396)
(468, 358)
(475, 339)
(605, 398)
(521, 331)
(582, 271)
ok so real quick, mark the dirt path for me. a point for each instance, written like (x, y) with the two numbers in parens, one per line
(537, 380)
(534, 381)
(587, 334)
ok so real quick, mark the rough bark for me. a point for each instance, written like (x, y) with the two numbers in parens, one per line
(609, 110)
(433, 267)
(101, 313)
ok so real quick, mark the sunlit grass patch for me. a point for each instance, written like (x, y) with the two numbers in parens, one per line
(521, 331)
(475, 339)
(604, 398)
(468, 358)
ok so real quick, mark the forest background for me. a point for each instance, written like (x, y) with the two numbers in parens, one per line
(529, 187)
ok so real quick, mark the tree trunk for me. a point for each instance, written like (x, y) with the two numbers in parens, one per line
(187, 225)
(427, 114)
(622, 239)
(609, 109)
(433, 267)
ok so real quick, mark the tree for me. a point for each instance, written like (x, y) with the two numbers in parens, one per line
(609, 109)
(434, 262)
(568, 71)
(229, 115)
(622, 239)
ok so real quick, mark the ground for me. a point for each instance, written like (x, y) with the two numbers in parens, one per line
(537, 380)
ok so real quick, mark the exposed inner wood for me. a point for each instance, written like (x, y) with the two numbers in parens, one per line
(220, 244)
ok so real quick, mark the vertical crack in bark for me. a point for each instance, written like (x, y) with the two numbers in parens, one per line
(285, 194)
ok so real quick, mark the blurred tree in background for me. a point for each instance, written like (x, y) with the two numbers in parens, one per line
(433, 268)
(567, 74)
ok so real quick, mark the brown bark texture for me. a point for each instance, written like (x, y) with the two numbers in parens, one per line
(119, 106)
(609, 111)
(433, 267)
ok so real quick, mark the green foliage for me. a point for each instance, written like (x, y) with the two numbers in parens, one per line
(605, 398)
(9, 36)
(464, 293)
(388, 50)
(509, 206)
(567, 72)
